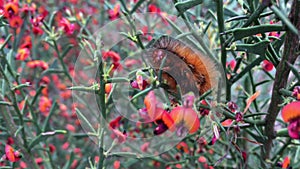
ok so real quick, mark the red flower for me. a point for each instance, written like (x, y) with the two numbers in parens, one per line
(286, 163)
(145, 146)
(203, 111)
(116, 122)
(70, 127)
(115, 58)
(67, 26)
(231, 64)
(26, 8)
(157, 114)
(153, 8)
(16, 22)
(111, 54)
(11, 154)
(114, 13)
(117, 164)
(232, 106)
(36, 23)
(239, 117)
(37, 63)
(267, 65)
(296, 92)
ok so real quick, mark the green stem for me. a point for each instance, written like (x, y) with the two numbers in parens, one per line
(61, 60)
(220, 16)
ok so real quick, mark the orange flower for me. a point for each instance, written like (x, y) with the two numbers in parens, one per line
(11, 9)
(23, 54)
(45, 105)
(157, 114)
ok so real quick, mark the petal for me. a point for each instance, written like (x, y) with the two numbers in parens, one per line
(286, 162)
(227, 123)
(9, 152)
(191, 120)
(154, 108)
(291, 111)
(250, 100)
(167, 120)
(188, 116)
(177, 114)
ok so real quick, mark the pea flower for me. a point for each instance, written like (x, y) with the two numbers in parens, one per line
(267, 65)
(11, 154)
(291, 113)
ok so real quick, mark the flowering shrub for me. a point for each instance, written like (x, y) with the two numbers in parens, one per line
(128, 84)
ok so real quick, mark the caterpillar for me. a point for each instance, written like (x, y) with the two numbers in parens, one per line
(174, 72)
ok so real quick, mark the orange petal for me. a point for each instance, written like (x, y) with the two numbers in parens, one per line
(227, 123)
(286, 162)
(291, 111)
(153, 107)
(177, 114)
(250, 100)
(191, 120)
(188, 116)
(167, 119)
(9, 152)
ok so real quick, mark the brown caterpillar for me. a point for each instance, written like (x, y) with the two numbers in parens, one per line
(202, 67)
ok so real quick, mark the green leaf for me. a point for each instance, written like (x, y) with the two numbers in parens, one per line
(66, 50)
(44, 136)
(5, 42)
(256, 137)
(257, 48)
(184, 6)
(85, 121)
(52, 110)
(51, 19)
(240, 33)
(70, 161)
(247, 69)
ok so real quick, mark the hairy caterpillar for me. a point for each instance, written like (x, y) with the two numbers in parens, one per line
(202, 68)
